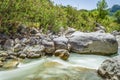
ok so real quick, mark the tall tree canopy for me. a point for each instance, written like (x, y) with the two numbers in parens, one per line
(102, 8)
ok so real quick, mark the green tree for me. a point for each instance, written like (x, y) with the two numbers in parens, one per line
(94, 14)
(72, 16)
(102, 9)
(117, 15)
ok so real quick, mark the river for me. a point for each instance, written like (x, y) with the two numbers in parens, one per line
(78, 67)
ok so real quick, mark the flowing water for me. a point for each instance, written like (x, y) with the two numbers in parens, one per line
(78, 67)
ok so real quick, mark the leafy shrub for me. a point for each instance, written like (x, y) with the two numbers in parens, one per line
(44, 14)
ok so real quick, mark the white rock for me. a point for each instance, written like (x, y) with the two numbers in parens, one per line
(97, 43)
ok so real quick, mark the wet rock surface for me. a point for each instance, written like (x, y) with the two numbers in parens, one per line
(32, 43)
(62, 53)
(51, 68)
(9, 64)
(110, 69)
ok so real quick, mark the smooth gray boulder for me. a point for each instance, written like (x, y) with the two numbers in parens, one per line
(61, 43)
(94, 42)
(110, 69)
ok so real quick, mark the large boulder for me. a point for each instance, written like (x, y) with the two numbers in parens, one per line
(110, 69)
(94, 42)
(62, 53)
(49, 46)
(61, 43)
(8, 45)
(32, 55)
(35, 51)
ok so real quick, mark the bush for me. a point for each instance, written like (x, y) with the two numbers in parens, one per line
(43, 14)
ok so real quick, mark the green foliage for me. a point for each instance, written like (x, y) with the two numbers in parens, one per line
(102, 8)
(43, 14)
(117, 15)
(13, 12)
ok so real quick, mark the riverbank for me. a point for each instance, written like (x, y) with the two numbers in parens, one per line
(77, 67)
(32, 44)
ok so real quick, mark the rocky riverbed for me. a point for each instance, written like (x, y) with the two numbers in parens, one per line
(77, 67)
(110, 68)
(31, 43)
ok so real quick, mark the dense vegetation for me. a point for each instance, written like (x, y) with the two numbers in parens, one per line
(44, 14)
